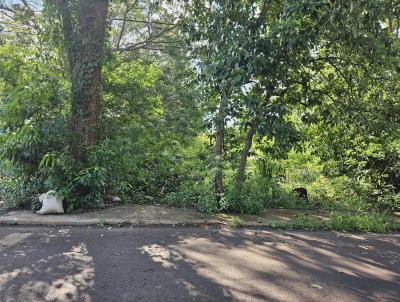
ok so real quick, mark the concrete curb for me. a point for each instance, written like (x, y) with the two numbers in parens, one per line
(122, 223)
(148, 215)
(26, 218)
(10, 222)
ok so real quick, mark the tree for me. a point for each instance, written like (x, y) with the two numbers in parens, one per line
(84, 26)
(216, 30)
(259, 58)
(122, 117)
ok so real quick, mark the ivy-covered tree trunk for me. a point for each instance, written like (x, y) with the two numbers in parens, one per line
(219, 146)
(84, 41)
(245, 154)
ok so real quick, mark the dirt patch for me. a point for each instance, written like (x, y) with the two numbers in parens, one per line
(271, 216)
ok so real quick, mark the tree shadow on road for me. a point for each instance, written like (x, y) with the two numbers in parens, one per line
(256, 265)
(198, 264)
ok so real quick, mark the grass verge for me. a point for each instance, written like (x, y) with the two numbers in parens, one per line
(345, 222)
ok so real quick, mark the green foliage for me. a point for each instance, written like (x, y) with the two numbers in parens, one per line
(236, 222)
(14, 189)
(338, 193)
(138, 152)
(249, 200)
(360, 222)
(310, 88)
(193, 193)
(33, 105)
(343, 222)
(302, 222)
(206, 202)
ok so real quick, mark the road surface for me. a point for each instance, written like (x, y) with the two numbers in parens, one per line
(196, 264)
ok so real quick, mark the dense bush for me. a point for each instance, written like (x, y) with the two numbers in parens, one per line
(232, 109)
(138, 154)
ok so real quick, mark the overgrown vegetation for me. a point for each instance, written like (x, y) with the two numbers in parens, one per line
(342, 221)
(219, 105)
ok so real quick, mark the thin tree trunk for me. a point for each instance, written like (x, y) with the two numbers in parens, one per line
(245, 154)
(219, 146)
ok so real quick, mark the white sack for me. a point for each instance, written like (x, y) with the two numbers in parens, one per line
(51, 203)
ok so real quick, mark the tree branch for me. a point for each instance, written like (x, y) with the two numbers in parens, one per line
(144, 22)
(150, 39)
(6, 8)
(128, 9)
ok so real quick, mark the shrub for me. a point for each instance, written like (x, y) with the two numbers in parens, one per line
(15, 189)
(206, 202)
(250, 199)
(388, 199)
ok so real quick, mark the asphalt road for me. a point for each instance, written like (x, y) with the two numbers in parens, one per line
(196, 264)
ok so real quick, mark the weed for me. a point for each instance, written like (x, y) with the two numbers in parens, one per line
(360, 222)
(102, 222)
(236, 222)
(302, 223)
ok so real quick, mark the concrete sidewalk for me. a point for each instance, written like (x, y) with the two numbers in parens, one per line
(139, 214)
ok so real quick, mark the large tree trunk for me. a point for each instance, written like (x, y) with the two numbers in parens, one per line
(245, 154)
(219, 146)
(84, 44)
